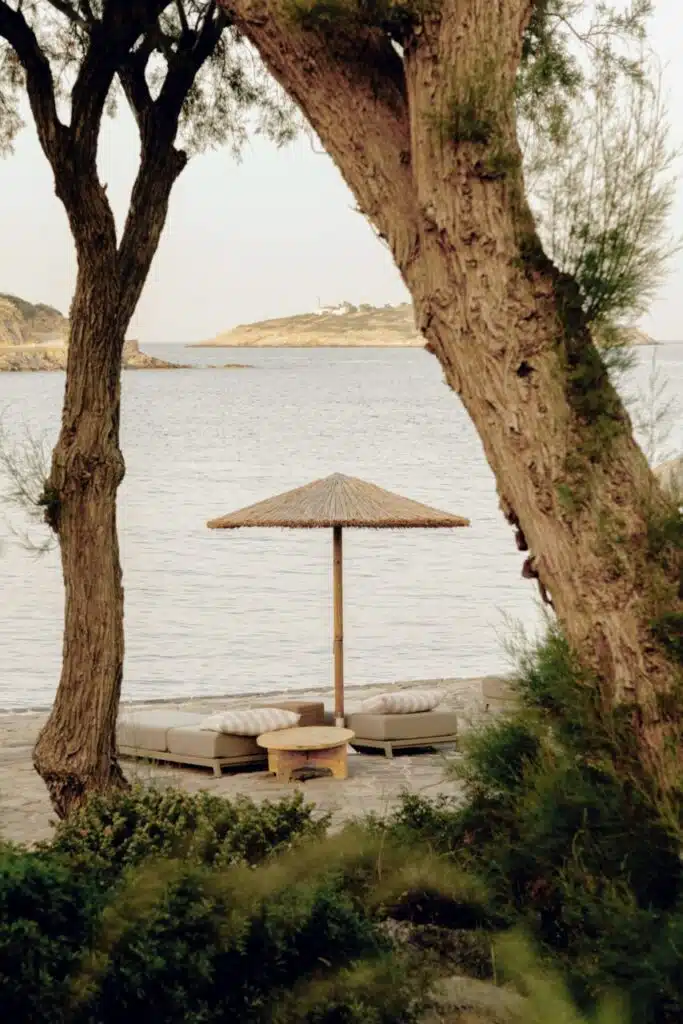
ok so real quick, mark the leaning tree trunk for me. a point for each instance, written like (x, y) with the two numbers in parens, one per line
(74, 751)
(425, 138)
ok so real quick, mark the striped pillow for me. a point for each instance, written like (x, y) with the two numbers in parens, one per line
(250, 721)
(402, 702)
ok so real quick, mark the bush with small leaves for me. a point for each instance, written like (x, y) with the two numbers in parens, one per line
(47, 917)
(192, 942)
(124, 828)
(558, 822)
(201, 946)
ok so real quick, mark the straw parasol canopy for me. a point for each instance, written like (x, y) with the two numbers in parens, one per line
(336, 502)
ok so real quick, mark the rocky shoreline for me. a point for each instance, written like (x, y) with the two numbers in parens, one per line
(50, 356)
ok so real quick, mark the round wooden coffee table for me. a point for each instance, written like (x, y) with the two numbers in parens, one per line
(317, 746)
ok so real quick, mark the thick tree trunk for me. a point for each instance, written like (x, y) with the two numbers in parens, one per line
(426, 140)
(75, 752)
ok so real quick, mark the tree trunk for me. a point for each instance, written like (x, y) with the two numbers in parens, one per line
(75, 752)
(425, 138)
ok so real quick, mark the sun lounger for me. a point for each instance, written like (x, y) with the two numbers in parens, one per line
(402, 732)
(175, 736)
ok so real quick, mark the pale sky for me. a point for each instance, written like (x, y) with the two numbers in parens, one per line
(271, 236)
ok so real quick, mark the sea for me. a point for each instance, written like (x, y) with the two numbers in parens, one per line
(249, 612)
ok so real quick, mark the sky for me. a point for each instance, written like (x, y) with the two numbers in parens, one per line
(274, 234)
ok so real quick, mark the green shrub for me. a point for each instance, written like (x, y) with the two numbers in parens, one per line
(47, 916)
(559, 823)
(196, 943)
(124, 828)
(196, 946)
(367, 993)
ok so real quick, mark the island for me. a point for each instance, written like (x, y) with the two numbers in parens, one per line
(340, 326)
(345, 326)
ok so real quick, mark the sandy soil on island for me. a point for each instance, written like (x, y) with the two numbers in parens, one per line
(374, 784)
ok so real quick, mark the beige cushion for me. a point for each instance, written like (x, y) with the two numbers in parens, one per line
(192, 741)
(401, 702)
(423, 725)
(250, 721)
(148, 729)
(311, 712)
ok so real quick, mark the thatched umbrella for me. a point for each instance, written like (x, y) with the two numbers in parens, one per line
(338, 501)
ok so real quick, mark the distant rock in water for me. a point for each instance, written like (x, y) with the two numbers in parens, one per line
(134, 359)
(52, 356)
(345, 325)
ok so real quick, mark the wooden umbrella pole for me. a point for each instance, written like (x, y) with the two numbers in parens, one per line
(338, 627)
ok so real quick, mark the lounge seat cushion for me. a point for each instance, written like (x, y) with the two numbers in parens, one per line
(148, 730)
(421, 725)
(192, 741)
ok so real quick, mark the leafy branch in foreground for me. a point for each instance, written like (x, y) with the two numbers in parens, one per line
(599, 168)
(24, 471)
(605, 198)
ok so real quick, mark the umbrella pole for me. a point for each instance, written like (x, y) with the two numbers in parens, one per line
(338, 627)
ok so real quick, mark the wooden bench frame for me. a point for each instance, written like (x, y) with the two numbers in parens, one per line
(217, 763)
(388, 746)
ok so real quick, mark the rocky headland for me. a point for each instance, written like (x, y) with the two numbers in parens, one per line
(337, 327)
(34, 338)
(345, 326)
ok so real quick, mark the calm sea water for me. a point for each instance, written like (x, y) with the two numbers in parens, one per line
(211, 613)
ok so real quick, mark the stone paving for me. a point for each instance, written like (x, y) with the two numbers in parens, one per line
(374, 784)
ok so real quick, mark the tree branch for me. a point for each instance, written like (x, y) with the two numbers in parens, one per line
(159, 169)
(134, 83)
(161, 163)
(111, 39)
(158, 119)
(86, 11)
(194, 48)
(70, 12)
(180, 7)
(39, 81)
(356, 103)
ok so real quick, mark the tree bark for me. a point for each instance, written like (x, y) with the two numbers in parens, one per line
(442, 184)
(76, 751)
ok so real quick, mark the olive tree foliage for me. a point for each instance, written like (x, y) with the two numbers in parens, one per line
(176, 60)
